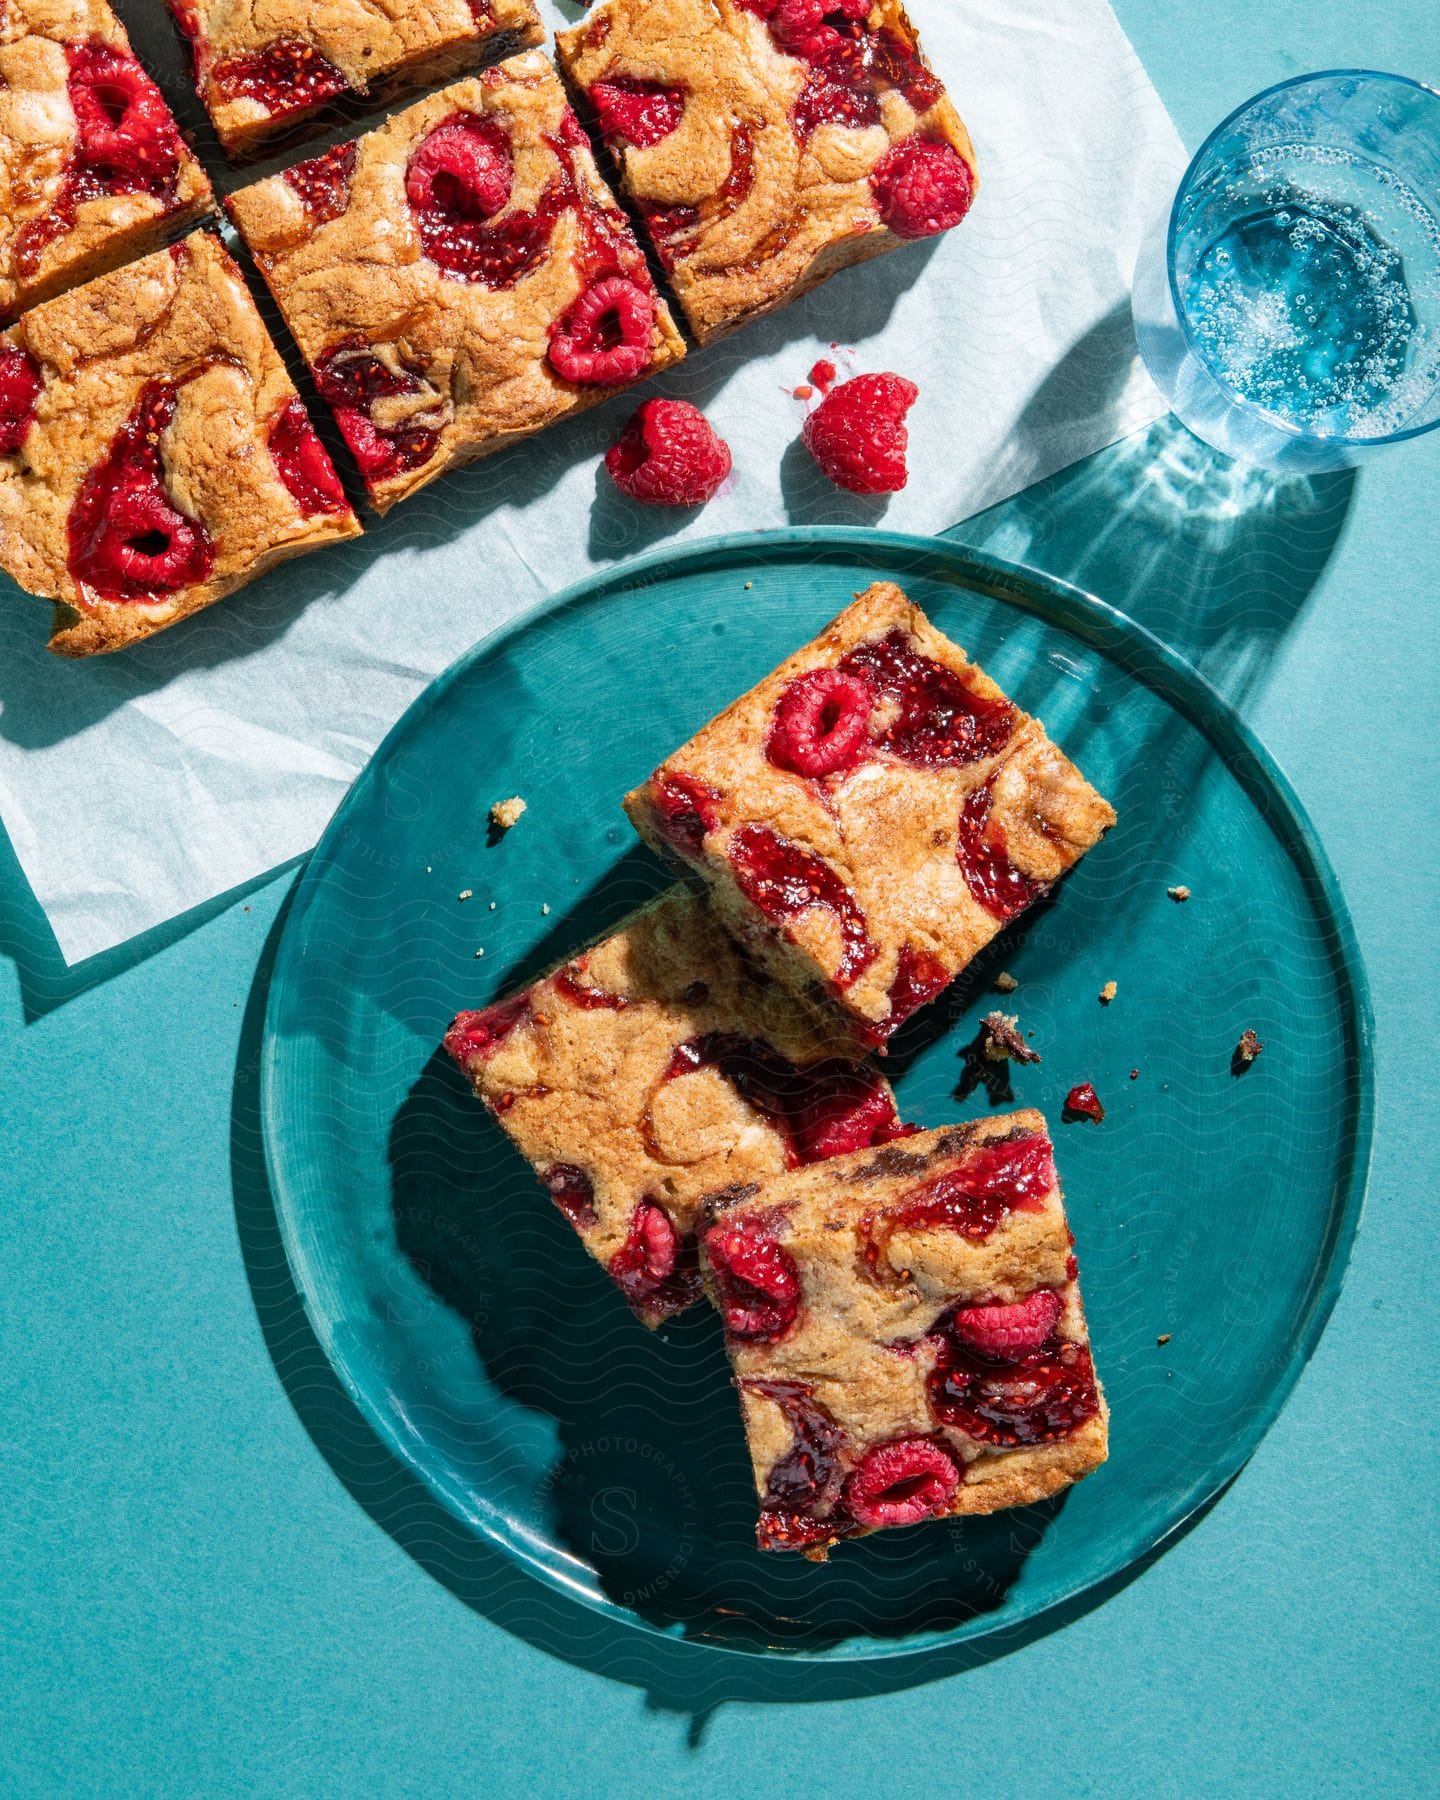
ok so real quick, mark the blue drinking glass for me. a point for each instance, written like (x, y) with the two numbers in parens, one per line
(1288, 306)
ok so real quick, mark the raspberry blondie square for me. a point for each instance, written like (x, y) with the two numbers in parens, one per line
(459, 278)
(153, 452)
(93, 170)
(906, 1333)
(652, 1068)
(872, 813)
(261, 70)
(769, 143)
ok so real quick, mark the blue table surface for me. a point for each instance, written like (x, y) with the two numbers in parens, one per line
(213, 1582)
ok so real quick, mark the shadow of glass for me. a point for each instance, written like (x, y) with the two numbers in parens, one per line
(1216, 557)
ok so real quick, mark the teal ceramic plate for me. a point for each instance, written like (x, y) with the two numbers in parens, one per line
(495, 1359)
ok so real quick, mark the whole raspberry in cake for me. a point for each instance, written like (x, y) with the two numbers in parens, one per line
(757, 1278)
(605, 334)
(922, 186)
(821, 726)
(642, 113)
(857, 433)
(901, 1484)
(669, 455)
(463, 168)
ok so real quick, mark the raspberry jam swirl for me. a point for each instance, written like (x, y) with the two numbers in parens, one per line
(353, 379)
(285, 76)
(1012, 1174)
(127, 540)
(981, 848)
(782, 881)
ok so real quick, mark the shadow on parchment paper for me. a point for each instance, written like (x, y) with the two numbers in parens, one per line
(688, 1679)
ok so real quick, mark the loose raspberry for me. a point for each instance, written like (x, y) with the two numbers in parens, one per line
(857, 433)
(642, 113)
(1005, 1333)
(1084, 1103)
(462, 168)
(758, 1281)
(573, 1192)
(20, 385)
(821, 724)
(900, 1484)
(669, 455)
(605, 334)
(922, 186)
(476, 1034)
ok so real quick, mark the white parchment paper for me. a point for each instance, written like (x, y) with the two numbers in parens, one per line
(137, 786)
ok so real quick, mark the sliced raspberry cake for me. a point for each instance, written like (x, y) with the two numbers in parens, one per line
(652, 1068)
(459, 278)
(154, 454)
(769, 143)
(263, 70)
(906, 1333)
(93, 170)
(872, 813)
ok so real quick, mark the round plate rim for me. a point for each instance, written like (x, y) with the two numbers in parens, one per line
(1005, 580)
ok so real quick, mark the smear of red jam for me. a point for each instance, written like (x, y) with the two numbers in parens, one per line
(684, 809)
(302, 463)
(1044, 1394)
(127, 542)
(476, 1034)
(20, 386)
(825, 1109)
(939, 722)
(126, 142)
(850, 65)
(351, 378)
(674, 228)
(323, 182)
(286, 75)
(803, 1481)
(980, 849)
(1011, 1175)
(782, 881)
(580, 993)
(573, 1192)
(919, 977)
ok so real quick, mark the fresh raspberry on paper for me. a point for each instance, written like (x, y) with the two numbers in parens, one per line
(669, 454)
(922, 186)
(857, 433)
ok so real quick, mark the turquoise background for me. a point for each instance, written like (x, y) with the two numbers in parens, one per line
(192, 1602)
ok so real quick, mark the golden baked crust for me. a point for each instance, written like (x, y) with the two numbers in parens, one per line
(259, 64)
(474, 359)
(51, 237)
(653, 1068)
(899, 836)
(766, 209)
(181, 324)
(860, 1359)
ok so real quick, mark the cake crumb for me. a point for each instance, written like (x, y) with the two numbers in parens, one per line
(492, 906)
(1246, 1050)
(1108, 993)
(480, 952)
(1134, 1074)
(466, 894)
(1005, 982)
(505, 813)
(545, 908)
(1003, 1039)
(1164, 1337)
(1178, 893)
(748, 586)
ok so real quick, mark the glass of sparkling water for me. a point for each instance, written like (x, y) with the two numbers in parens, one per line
(1288, 305)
